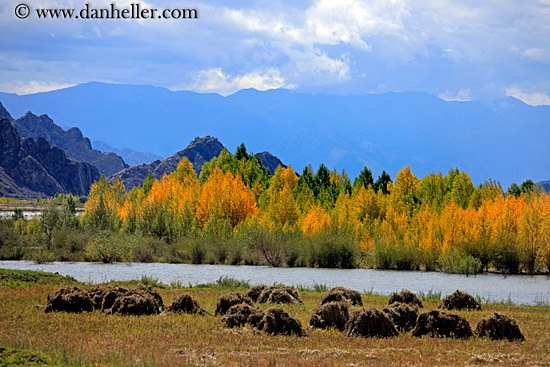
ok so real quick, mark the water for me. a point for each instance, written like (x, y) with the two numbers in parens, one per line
(526, 290)
(27, 214)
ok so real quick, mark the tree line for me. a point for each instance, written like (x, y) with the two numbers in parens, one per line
(321, 218)
(234, 212)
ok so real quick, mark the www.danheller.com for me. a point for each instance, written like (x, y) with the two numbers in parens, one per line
(133, 11)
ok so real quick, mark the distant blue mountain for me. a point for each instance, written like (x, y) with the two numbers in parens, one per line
(506, 140)
(131, 157)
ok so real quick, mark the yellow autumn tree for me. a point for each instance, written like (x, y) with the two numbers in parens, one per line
(316, 221)
(405, 191)
(225, 196)
(534, 230)
(105, 205)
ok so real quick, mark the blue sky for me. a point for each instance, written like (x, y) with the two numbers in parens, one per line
(457, 50)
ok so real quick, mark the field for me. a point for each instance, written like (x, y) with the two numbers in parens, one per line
(32, 337)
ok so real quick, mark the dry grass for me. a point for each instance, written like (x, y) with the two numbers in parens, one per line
(192, 340)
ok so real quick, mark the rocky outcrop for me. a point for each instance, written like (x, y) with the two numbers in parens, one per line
(270, 161)
(4, 112)
(36, 166)
(75, 145)
(199, 151)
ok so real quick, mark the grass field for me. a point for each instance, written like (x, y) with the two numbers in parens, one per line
(97, 339)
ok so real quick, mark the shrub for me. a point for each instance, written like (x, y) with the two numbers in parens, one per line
(507, 255)
(406, 257)
(457, 262)
(8, 234)
(69, 240)
(335, 251)
(198, 253)
(106, 249)
(382, 254)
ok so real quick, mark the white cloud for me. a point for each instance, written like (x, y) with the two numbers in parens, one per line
(327, 22)
(301, 37)
(32, 87)
(215, 80)
(533, 99)
(463, 95)
(537, 54)
(325, 45)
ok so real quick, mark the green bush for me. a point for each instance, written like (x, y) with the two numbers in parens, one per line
(69, 240)
(42, 256)
(335, 251)
(8, 234)
(382, 254)
(106, 248)
(406, 257)
(507, 255)
(458, 262)
(198, 252)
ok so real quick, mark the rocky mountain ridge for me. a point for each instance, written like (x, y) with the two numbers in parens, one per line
(72, 141)
(199, 151)
(30, 167)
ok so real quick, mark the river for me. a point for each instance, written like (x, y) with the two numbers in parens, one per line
(520, 289)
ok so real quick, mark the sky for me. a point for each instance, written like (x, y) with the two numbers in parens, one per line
(456, 50)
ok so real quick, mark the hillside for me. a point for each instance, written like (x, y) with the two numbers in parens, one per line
(4, 112)
(30, 167)
(503, 140)
(199, 151)
(270, 161)
(131, 157)
(75, 145)
(545, 185)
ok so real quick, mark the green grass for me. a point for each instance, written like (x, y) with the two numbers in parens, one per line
(93, 339)
(430, 295)
(317, 287)
(21, 357)
(27, 278)
(226, 283)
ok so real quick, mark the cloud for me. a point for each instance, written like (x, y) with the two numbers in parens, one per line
(215, 80)
(303, 37)
(463, 95)
(536, 54)
(341, 47)
(533, 99)
(31, 87)
(326, 22)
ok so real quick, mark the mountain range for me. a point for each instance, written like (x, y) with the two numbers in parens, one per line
(75, 145)
(32, 167)
(506, 140)
(199, 151)
(131, 157)
(42, 162)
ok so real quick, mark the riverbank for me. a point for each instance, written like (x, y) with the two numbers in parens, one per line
(95, 338)
(489, 288)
